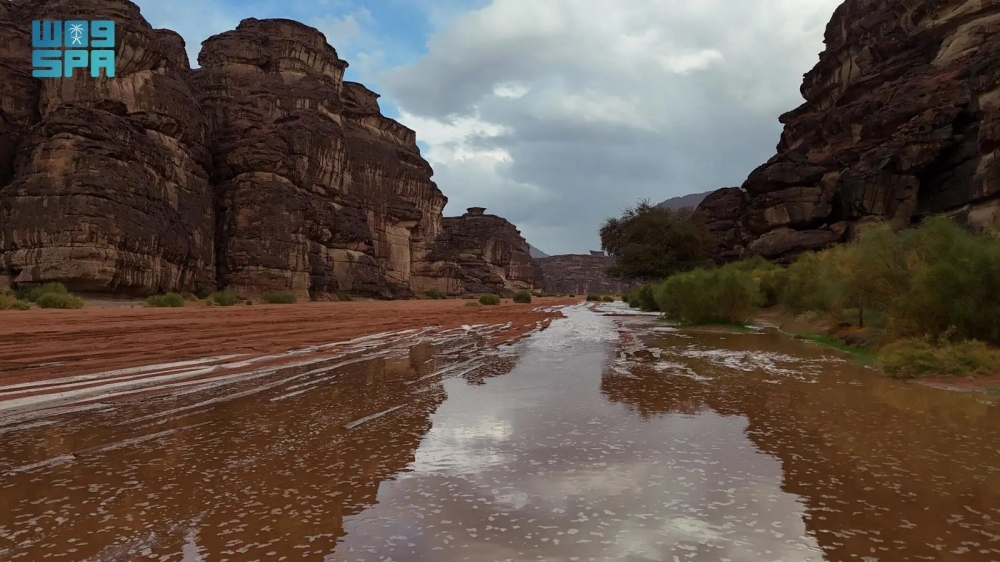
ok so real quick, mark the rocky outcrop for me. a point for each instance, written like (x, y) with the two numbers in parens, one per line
(478, 253)
(103, 182)
(901, 120)
(263, 170)
(580, 274)
(316, 191)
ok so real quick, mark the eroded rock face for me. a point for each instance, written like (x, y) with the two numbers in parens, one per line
(262, 171)
(580, 274)
(108, 190)
(478, 253)
(317, 192)
(901, 120)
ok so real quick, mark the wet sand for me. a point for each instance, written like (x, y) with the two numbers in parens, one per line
(58, 345)
(606, 436)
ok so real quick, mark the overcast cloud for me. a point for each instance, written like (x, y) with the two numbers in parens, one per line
(556, 114)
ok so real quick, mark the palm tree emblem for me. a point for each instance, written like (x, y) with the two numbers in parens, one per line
(76, 33)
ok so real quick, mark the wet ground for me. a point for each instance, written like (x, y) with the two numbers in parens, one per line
(607, 436)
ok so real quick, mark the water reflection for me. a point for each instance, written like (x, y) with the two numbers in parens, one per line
(537, 465)
(270, 475)
(886, 470)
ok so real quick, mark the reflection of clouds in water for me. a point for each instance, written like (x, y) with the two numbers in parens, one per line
(531, 467)
(463, 446)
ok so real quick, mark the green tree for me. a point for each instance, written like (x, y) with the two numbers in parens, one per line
(651, 243)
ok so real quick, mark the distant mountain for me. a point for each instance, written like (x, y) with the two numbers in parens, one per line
(536, 253)
(691, 200)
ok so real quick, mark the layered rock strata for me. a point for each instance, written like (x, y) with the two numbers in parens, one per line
(901, 120)
(479, 253)
(580, 274)
(263, 170)
(103, 182)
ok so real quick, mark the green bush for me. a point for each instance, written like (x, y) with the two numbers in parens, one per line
(435, 293)
(473, 304)
(644, 298)
(489, 299)
(227, 297)
(727, 295)
(59, 300)
(912, 358)
(571, 295)
(522, 297)
(173, 300)
(9, 302)
(594, 298)
(37, 291)
(344, 297)
(279, 298)
(608, 298)
(625, 298)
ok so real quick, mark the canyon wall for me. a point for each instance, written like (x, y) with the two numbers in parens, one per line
(478, 253)
(901, 120)
(580, 274)
(263, 170)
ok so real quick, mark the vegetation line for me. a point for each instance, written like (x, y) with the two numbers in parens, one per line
(916, 302)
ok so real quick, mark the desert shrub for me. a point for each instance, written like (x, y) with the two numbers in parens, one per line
(571, 295)
(279, 298)
(522, 297)
(473, 304)
(608, 298)
(633, 298)
(911, 358)
(10, 302)
(625, 298)
(172, 300)
(953, 283)
(771, 284)
(645, 297)
(59, 300)
(728, 294)
(345, 297)
(489, 299)
(435, 293)
(227, 297)
(593, 297)
(37, 291)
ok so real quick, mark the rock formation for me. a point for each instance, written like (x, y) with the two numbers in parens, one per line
(263, 170)
(901, 120)
(103, 182)
(580, 274)
(478, 253)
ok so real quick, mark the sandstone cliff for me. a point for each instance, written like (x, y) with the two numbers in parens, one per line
(263, 170)
(901, 120)
(478, 253)
(580, 274)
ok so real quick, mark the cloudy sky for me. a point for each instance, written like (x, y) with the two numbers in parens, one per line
(557, 113)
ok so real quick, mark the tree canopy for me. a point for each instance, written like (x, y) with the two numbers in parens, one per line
(650, 243)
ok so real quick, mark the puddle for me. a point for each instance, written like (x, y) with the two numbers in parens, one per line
(604, 437)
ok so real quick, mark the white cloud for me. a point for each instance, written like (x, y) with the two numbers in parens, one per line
(603, 102)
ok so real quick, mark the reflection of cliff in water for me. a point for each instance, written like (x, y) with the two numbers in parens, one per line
(275, 471)
(887, 469)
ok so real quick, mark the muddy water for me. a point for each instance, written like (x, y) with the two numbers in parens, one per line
(604, 437)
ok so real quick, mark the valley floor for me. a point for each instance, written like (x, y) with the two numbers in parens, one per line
(47, 352)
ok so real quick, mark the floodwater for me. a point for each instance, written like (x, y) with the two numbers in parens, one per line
(607, 436)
